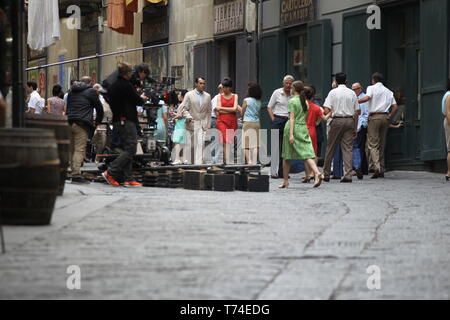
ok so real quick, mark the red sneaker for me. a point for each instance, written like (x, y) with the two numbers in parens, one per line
(132, 184)
(110, 179)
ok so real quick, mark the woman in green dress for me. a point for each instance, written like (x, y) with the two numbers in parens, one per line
(297, 144)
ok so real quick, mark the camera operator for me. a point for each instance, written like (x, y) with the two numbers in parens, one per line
(124, 99)
(81, 102)
(141, 77)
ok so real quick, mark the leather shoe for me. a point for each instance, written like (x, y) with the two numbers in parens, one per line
(326, 179)
(375, 175)
(381, 175)
(359, 174)
(345, 180)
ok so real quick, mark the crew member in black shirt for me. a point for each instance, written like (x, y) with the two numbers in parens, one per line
(124, 100)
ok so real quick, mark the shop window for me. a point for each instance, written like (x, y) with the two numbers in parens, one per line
(157, 59)
(298, 56)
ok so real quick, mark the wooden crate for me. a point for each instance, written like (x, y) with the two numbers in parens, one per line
(258, 183)
(194, 179)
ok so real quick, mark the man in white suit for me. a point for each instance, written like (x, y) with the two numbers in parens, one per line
(196, 108)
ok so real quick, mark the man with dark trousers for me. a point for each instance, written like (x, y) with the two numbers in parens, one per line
(124, 100)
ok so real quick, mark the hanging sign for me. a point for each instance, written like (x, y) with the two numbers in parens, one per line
(229, 16)
(296, 11)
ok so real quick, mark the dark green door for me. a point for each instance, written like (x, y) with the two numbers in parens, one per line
(320, 57)
(434, 17)
(272, 70)
(402, 77)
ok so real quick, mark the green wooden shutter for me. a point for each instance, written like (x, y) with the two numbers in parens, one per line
(356, 60)
(272, 68)
(272, 63)
(320, 57)
(434, 68)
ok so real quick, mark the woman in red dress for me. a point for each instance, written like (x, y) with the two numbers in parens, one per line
(315, 116)
(227, 106)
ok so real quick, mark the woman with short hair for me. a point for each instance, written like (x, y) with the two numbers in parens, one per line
(250, 117)
(227, 107)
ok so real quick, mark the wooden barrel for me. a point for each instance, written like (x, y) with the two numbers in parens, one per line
(61, 128)
(29, 176)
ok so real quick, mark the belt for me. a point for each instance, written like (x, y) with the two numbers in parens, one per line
(375, 113)
(284, 118)
(343, 117)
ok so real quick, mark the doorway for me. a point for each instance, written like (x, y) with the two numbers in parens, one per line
(402, 77)
(227, 49)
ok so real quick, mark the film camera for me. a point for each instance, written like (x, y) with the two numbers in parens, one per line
(155, 150)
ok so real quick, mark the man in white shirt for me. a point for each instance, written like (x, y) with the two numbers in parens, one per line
(35, 104)
(343, 104)
(382, 108)
(278, 113)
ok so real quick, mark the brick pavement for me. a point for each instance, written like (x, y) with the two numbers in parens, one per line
(298, 243)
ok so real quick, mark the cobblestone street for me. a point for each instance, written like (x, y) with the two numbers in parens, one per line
(300, 243)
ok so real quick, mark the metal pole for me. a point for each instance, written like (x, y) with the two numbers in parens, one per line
(17, 26)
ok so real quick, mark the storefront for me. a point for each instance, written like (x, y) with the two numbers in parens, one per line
(411, 50)
(294, 42)
(300, 45)
(232, 53)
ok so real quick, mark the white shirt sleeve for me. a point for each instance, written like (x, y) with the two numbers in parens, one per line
(393, 100)
(369, 92)
(214, 102)
(273, 101)
(34, 102)
(328, 101)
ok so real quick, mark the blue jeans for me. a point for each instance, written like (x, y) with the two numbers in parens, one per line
(338, 163)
